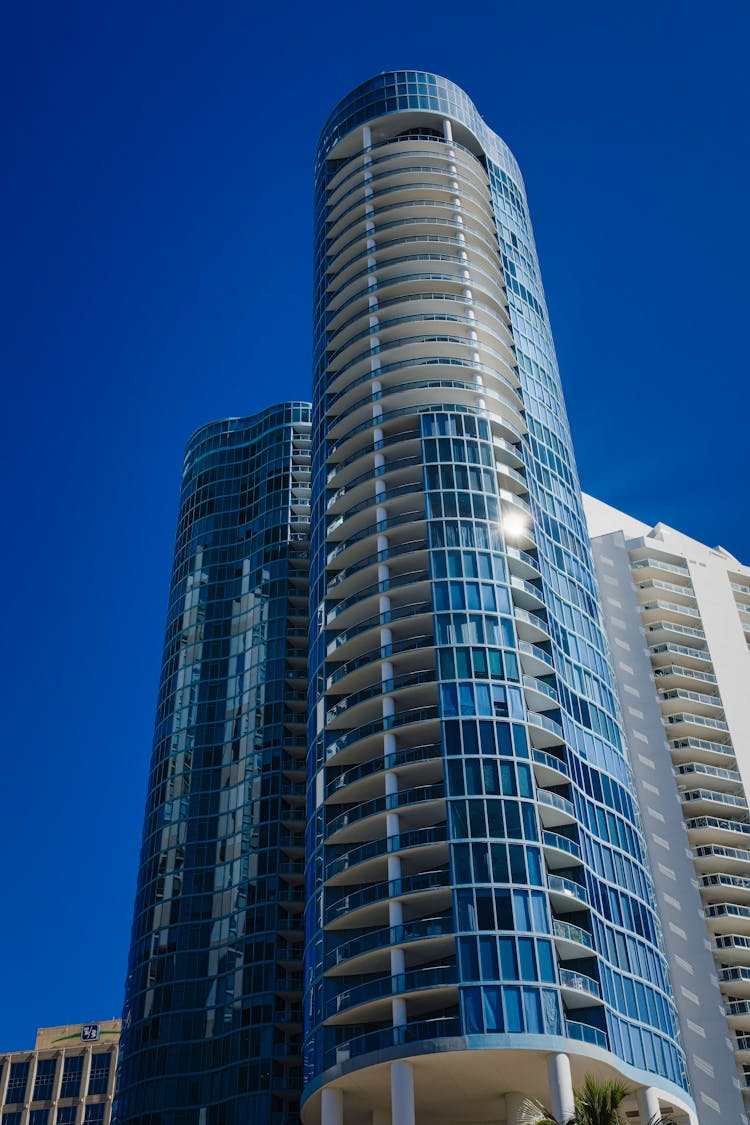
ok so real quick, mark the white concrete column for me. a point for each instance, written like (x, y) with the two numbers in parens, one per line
(25, 1113)
(447, 129)
(4, 1078)
(402, 1093)
(381, 1117)
(332, 1106)
(648, 1104)
(560, 1087)
(85, 1076)
(57, 1084)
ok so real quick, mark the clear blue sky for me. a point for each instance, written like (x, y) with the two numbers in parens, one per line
(157, 172)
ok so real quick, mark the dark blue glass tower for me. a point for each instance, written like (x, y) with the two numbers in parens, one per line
(480, 925)
(212, 1023)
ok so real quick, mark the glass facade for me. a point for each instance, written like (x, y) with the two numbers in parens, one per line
(476, 868)
(213, 1024)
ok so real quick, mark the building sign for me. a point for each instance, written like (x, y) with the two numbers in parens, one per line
(90, 1032)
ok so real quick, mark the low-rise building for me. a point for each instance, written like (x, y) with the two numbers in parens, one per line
(67, 1079)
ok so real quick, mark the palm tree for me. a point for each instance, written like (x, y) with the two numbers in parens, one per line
(597, 1102)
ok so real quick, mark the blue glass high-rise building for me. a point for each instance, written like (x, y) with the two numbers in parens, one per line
(212, 1028)
(480, 923)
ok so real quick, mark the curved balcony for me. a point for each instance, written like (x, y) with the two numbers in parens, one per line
(555, 810)
(571, 941)
(392, 616)
(585, 1033)
(367, 862)
(549, 770)
(346, 524)
(565, 895)
(360, 540)
(371, 951)
(368, 906)
(490, 321)
(544, 731)
(402, 653)
(393, 552)
(372, 1000)
(530, 627)
(579, 991)
(559, 851)
(420, 1030)
(534, 660)
(395, 582)
(358, 372)
(370, 732)
(539, 695)
(373, 694)
(370, 815)
(386, 474)
(344, 785)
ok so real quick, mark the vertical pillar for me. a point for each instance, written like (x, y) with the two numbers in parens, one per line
(402, 1093)
(4, 1078)
(560, 1087)
(56, 1084)
(25, 1113)
(648, 1104)
(332, 1106)
(83, 1093)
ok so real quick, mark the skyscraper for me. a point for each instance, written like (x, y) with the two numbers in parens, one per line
(678, 615)
(480, 922)
(212, 1023)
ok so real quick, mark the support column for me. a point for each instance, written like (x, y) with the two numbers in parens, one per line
(332, 1106)
(560, 1087)
(648, 1104)
(402, 1093)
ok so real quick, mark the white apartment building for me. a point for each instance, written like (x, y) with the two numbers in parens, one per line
(678, 617)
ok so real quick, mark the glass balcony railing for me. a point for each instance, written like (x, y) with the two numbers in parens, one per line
(408, 756)
(415, 980)
(385, 723)
(392, 1037)
(421, 882)
(418, 837)
(562, 843)
(585, 1033)
(391, 801)
(555, 801)
(566, 931)
(422, 929)
(543, 758)
(569, 887)
(579, 983)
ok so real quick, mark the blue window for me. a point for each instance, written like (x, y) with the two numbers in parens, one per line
(99, 1076)
(71, 1080)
